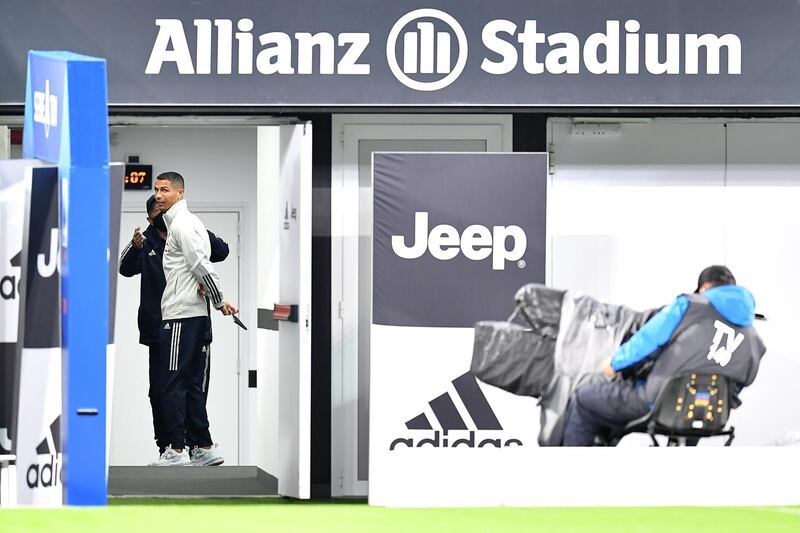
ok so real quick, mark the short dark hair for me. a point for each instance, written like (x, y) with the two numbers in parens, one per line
(173, 177)
(716, 275)
(150, 204)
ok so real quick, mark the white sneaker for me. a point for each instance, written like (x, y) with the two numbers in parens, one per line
(172, 458)
(206, 457)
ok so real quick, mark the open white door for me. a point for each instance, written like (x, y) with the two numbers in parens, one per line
(356, 137)
(294, 288)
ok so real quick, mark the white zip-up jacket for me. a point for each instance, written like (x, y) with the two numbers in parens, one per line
(187, 265)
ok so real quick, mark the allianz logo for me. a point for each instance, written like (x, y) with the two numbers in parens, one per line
(45, 109)
(476, 242)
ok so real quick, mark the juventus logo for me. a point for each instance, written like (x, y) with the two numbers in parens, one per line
(722, 354)
(48, 266)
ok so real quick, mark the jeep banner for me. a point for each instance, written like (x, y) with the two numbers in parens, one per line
(39, 454)
(12, 213)
(454, 237)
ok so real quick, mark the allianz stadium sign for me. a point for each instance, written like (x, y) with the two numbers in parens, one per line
(440, 53)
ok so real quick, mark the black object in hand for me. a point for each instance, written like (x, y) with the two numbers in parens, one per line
(239, 322)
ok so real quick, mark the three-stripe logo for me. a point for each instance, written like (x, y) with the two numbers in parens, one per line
(48, 473)
(428, 49)
(446, 412)
(175, 345)
(448, 417)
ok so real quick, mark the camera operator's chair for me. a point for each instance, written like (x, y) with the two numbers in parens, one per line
(690, 407)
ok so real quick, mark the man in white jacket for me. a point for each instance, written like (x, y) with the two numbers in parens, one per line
(190, 277)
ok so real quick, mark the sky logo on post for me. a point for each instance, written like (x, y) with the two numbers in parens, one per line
(44, 103)
(45, 109)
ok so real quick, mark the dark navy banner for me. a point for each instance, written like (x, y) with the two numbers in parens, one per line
(38, 428)
(42, 264)
(418, 52)
(455, 235)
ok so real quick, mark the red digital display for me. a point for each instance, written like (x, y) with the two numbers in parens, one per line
(138, 177)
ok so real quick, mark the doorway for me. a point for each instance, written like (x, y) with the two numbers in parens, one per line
(355, 138)
(131, 422)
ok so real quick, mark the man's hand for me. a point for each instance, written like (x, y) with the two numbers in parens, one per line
(228, 309)
(607, 370)
(138, 238)
(201, 290)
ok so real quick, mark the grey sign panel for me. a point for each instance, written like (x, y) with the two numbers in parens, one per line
(117, 174)
(437, 53)
(455, 235)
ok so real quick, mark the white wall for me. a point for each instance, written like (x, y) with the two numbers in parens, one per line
(635, 216)
(5, 142)
(219, 165)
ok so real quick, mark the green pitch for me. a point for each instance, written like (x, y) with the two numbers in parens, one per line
(279, 515)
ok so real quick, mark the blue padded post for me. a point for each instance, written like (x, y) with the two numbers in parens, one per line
(66, 122)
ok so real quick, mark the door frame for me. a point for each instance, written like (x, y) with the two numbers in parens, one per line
(347, 131)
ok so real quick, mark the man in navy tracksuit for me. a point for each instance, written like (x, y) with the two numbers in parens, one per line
(708, 331)
(143, 255)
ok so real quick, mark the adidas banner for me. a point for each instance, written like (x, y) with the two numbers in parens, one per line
(12, 214)
(39, 454)
(454, 237)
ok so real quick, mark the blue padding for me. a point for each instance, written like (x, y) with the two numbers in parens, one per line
(74, 87)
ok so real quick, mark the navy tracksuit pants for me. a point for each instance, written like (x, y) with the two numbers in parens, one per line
(183, 366)
(154, 393)
(598, 409)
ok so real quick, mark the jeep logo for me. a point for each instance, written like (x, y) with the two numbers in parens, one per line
(476, 242)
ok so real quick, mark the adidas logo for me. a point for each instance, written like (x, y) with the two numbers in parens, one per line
(448, 418)
(49, 473)
(167, 326)
(152, 253)
(9, 285)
